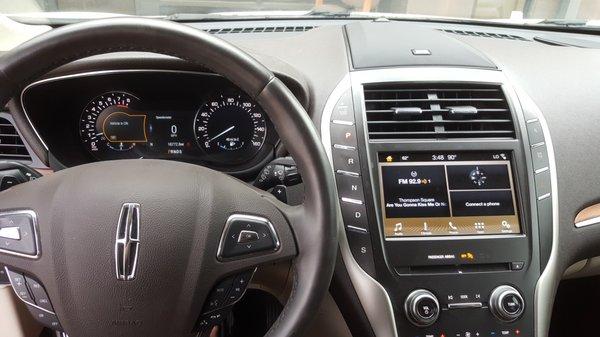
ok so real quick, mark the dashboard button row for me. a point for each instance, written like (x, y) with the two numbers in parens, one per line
(543, 186)
(539, 155)
(225, 294)
(34, 295)
(345, 157)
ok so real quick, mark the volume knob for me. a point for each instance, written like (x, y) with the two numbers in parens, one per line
(506, 303)
(421, 307)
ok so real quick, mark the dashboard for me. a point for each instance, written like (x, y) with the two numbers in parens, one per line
(186, 116)
(437, 204)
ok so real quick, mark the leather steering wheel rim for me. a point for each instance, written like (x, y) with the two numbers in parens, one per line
(316, 238)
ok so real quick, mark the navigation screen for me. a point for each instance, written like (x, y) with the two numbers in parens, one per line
(448, 194)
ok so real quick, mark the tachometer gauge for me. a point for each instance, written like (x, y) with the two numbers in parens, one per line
(110, 128)
(230, 128)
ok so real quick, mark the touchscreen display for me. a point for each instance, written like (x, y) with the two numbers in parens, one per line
(448, 194)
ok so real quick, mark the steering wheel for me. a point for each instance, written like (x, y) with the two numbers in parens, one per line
(161, 224)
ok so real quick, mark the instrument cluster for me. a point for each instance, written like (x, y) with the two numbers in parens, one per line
(192, 117)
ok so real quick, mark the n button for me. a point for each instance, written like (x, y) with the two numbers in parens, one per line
(350, 186)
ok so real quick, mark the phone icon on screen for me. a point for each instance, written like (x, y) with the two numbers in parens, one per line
(452, 226)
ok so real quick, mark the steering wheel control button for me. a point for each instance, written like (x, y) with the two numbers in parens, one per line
(280, 192)
(218, 295)
(39, 294)
(45, 318)
(10, 233)
(33, 294)
(247, 234)
(506, 303)
(422, 308)
(18, 234)
(3, 276)
(238, 287)
(19, 285)
(211, 319)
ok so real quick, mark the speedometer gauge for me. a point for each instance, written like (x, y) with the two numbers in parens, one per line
(230, 128)
(109, 127)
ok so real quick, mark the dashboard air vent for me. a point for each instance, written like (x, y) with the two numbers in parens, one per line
(11, 144)
(437, 111)
(485, 34)
(274, 29)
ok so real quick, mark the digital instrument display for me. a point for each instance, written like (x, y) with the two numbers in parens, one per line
(229, 128)
(448, 194)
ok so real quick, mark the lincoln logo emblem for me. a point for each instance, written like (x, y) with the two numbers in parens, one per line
(127, 241)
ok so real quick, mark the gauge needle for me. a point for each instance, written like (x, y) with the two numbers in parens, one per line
(222, 133)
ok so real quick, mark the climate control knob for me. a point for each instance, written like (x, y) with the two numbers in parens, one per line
(506, 303)
(421, 307)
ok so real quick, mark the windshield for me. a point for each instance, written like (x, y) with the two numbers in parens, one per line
(507, 10)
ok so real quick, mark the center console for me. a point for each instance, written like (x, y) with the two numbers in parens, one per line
(445, 193)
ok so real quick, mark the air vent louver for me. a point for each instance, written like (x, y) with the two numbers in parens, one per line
(485, 34)
(274, 29)
(11, 144)
(437, 111)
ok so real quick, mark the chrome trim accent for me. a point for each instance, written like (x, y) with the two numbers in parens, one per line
(533, 120)
(127, 241)
(344, 147)
(94, 73)
(533, 146)
(544, 196)
(336, 121)
(22, 300)
(12, 233)
(465, 305)
(36, 236)
(588, 222)
(358, 229)
(543, 169)
(352, 201)
(348, 173)
(254, 218)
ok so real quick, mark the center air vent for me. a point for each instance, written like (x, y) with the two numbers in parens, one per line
(11, 144)
(437, 111)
